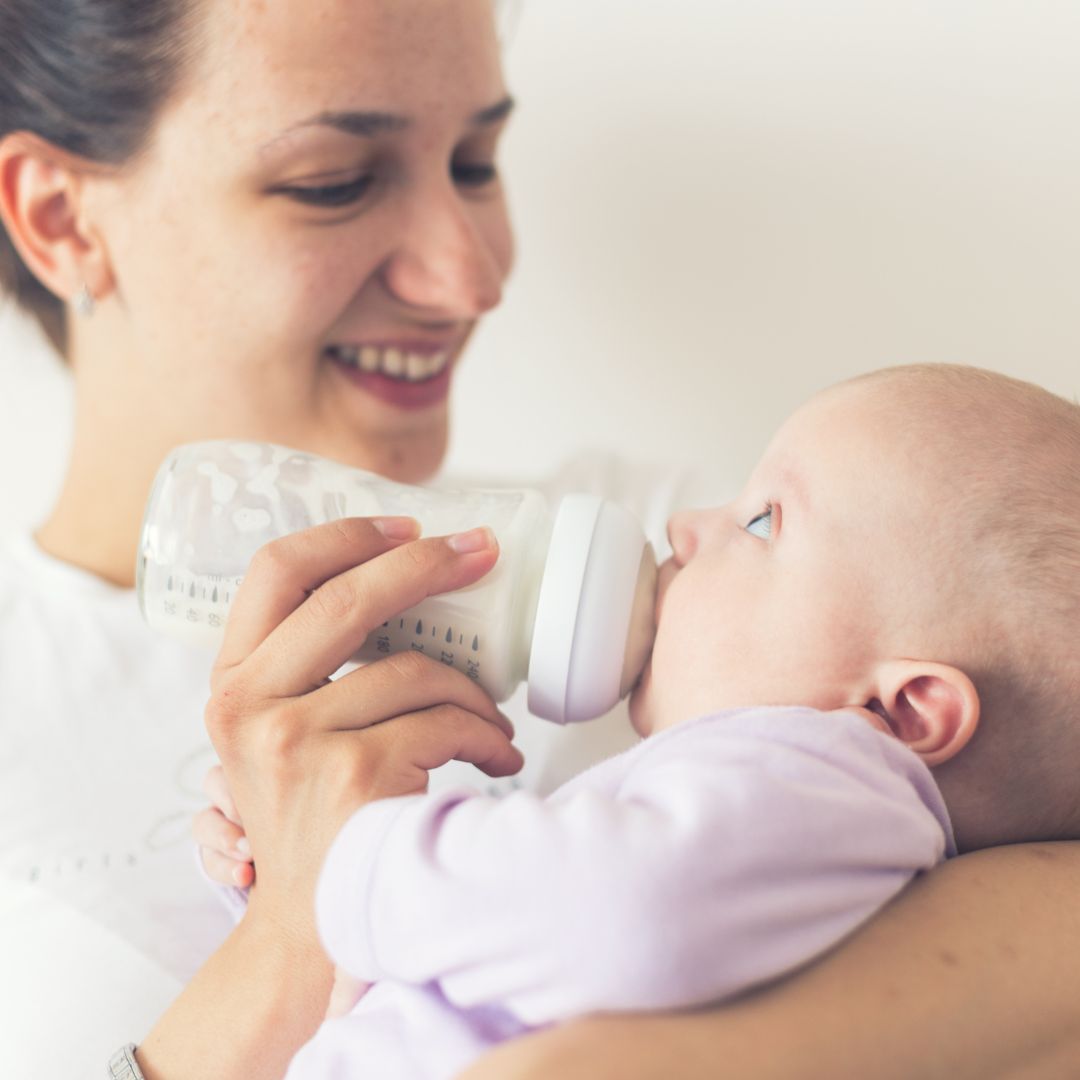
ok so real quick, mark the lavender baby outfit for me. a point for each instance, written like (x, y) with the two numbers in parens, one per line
(710, 857)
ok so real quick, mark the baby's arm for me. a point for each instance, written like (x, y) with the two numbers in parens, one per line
(729, 851)
(969, 974)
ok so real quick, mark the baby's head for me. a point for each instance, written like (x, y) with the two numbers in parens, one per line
(909, 545)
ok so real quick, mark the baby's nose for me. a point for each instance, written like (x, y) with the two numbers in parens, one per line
(690, 530)
(683, 535)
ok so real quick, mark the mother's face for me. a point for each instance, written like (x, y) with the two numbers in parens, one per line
(316, 227)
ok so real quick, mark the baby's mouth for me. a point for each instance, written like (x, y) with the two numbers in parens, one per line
(394, 363)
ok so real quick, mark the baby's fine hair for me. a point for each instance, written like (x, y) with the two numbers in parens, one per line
(1011, 451)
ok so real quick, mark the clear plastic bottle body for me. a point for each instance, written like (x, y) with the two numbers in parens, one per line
(213, 505)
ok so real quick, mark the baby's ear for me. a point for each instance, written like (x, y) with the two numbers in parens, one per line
(932, 708)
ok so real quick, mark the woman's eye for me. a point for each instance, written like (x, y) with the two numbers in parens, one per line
(330, 195)
(475, 175)
(761, 526)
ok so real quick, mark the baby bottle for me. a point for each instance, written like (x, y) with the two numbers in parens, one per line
(568, 606)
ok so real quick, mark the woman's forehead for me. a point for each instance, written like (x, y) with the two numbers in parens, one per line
(325, 54)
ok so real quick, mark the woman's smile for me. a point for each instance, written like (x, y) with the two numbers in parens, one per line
(407, 377)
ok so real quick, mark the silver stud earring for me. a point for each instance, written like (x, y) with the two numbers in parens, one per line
(84, 302)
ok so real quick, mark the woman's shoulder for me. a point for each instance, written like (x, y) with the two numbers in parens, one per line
(26, 570)
(44, 601)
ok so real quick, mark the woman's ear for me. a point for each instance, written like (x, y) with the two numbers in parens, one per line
(41, 191)
(932, 708)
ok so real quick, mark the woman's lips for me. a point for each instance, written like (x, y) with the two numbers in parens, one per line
(406, 376)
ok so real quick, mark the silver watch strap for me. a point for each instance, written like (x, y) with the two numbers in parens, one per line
(123, 1066)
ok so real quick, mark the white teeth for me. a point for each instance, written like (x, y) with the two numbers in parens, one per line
(416, 367)
(413, 367)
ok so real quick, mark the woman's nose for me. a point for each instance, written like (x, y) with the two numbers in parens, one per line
(451, 264)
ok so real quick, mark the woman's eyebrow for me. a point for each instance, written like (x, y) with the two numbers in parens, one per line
(369, 124)
(493, 114)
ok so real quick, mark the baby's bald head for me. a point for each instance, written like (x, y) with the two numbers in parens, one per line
(1001, 458)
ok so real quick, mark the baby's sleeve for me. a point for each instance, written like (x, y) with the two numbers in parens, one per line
(726, 856)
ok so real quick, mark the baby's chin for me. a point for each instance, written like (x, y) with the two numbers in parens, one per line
(639, 705)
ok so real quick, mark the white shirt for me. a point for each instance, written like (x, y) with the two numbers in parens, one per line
(102, 755)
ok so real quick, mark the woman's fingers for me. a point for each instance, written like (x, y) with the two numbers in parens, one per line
(425, 740)
(331, 624)
(285, 571)
(402, 683)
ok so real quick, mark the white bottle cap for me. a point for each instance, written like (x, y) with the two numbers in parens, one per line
(594, 615)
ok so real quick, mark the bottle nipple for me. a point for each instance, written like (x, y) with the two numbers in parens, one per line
(594, 616)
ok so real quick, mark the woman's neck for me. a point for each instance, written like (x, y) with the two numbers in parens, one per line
(95, 521)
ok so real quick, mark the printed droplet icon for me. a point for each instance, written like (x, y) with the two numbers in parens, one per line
(476, 644)
(214, 597)
(419, 626)
(449, 636)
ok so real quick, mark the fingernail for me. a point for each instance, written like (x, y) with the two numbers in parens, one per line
(238, 875)
(243, 846)
(397, 528)
(474, 540)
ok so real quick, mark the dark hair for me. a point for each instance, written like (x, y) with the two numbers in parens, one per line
(90, 77)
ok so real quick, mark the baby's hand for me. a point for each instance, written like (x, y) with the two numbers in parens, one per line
(223, 846)
(346, 992)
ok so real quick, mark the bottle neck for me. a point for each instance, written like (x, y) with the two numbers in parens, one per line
(533, 563)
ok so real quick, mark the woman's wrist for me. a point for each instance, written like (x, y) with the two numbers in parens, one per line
(254, 1003)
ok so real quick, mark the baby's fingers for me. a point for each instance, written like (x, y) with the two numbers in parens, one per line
(223, 848)
(216, 789)
(346, 992)
(222, 870)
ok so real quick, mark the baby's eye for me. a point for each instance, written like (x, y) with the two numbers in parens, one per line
(761, 526)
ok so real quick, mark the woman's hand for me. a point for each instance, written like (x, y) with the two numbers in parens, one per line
(300, 752)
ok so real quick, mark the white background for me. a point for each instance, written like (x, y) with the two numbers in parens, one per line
(723, 206)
